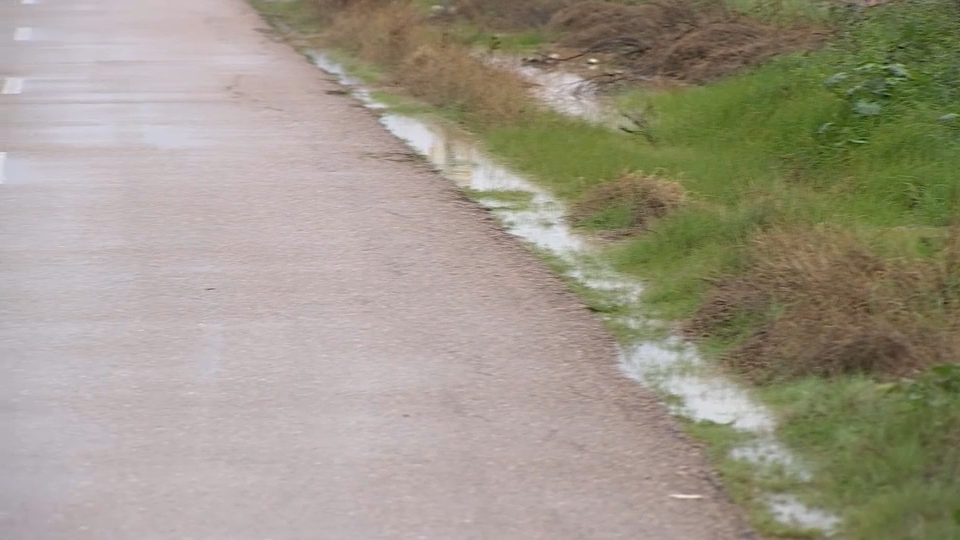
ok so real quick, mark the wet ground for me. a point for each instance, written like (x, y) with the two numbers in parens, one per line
(233, 306)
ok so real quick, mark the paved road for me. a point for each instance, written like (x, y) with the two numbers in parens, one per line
(226, 313)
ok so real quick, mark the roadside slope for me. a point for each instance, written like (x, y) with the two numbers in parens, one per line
(235, 308)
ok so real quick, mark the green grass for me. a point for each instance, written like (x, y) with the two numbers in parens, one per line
(506, 42)
(789, 11)
(888, 454)
(772, 147)
(743, 480)
(297, 15)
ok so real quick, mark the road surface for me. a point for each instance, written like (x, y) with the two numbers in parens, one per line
(229, 311)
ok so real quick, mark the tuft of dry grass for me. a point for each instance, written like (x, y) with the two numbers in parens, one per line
(448, 76)
(383, 33)
(328, 10)
(642, 197)
(427, 64)
(819, 303)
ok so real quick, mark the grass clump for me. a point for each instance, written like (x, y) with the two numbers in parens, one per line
(819, 303)
(629, 203)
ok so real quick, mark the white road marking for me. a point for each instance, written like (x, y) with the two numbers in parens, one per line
(24, 33)
(28, 2)
(3, 161)
(12, 85)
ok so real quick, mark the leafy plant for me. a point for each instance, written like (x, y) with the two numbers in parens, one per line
(938, 388)
(895, 59)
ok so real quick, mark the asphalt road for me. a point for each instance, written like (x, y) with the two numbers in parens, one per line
(226, 312)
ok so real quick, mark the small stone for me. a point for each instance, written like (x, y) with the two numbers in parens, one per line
(593, 61)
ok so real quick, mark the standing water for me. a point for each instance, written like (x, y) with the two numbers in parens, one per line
(671, 365)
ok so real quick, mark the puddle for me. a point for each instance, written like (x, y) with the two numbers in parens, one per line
(788, 509)
(679, 371)
(541, 221)
(324, 62)
(769, 452)
(670, 364)
(565, 92)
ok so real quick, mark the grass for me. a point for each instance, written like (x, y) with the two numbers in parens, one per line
(785, 10)
(300, 17)
(748, 148)
(517, 198)
(856, 138)
(744, 480)
(889, 454)
(516, 42)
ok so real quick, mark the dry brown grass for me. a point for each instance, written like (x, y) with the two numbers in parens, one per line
(822, 304)
(678, 39)
(644, 197)
(426, 64)
(510, 14)
(333, 7)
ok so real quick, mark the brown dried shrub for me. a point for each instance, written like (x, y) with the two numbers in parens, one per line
(823, 305)
(678, 39)
(383, 33)
(450, 76)
(329, 9)
(510, 14)
(645, 197)
(427, 65)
